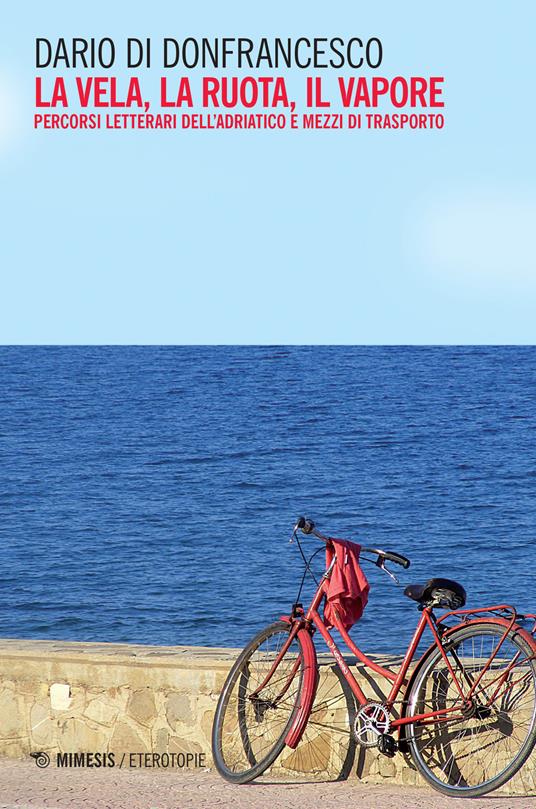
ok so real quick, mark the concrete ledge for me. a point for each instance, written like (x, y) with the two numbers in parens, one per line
(58, 696)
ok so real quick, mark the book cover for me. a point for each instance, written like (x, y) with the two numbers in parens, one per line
(267, 275)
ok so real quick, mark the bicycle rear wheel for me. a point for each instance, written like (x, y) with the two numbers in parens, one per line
(257, 705)
(478, 744)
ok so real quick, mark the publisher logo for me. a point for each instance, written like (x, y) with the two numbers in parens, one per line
(163, 761)
(41, 759)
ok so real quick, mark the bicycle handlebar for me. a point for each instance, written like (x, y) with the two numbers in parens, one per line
(307, 526)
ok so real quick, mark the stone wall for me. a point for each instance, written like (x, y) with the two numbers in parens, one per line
(88, 697)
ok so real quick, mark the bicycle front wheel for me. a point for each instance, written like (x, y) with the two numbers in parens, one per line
(481, 739)
(257, 705)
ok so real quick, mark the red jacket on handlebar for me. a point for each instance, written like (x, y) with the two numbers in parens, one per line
(347, 588)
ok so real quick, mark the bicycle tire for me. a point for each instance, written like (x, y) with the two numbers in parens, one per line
(444, 751)
(249, 734)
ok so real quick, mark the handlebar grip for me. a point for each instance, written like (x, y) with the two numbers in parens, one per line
(397, 558)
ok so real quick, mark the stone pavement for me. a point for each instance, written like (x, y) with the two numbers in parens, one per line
(24, 786)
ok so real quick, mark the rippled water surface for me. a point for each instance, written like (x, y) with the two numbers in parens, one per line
(147, 494)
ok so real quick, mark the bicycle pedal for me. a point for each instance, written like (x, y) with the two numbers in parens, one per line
(387, 745)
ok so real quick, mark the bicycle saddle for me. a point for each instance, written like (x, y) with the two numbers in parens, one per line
(437, 593)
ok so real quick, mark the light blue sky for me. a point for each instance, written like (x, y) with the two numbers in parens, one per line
(320, 237)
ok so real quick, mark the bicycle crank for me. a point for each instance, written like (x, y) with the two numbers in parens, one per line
(372, 722)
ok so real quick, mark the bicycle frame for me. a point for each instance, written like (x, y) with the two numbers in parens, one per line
(305, 623)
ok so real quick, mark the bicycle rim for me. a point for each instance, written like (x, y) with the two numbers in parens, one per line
(470, 752)
(251, 721)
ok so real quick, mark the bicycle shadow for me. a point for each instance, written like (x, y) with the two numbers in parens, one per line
(327, 751)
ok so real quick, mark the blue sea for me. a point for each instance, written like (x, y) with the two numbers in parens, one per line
(148, 493)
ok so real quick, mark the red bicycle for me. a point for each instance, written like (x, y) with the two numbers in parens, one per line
(467, 715)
